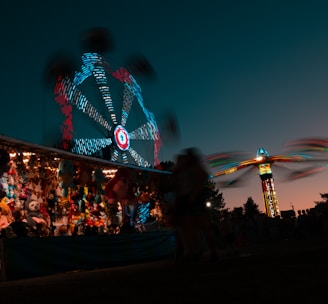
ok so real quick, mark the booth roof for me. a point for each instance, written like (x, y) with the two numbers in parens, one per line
(9, 143)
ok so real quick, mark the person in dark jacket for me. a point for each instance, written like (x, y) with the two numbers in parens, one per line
(192, 216)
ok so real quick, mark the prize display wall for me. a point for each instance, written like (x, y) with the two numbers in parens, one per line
(60, 197)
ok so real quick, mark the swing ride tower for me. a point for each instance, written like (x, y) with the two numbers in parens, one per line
(233, 161)
(267, 183)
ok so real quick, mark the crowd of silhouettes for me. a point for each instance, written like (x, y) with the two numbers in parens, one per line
(237, 231)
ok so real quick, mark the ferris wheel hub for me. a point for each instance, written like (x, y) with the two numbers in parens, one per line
(121, 137)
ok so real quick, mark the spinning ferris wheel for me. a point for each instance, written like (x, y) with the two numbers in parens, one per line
(105, 115)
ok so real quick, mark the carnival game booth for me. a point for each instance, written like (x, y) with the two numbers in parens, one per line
(76, 212)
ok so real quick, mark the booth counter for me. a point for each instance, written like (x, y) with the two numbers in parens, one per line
(37, 256)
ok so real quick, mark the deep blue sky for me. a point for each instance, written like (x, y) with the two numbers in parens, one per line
(238, 75)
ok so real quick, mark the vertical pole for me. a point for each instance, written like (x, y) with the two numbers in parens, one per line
(3, 276)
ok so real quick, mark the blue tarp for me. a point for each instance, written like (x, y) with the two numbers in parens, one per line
(35, 256)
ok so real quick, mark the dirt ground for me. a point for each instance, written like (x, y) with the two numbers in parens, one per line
(282, 272)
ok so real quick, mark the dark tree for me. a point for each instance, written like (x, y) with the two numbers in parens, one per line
(250, 208)
(167, 165)
(324, 196)
(215, 197)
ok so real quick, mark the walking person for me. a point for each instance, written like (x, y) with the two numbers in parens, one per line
(192, 216)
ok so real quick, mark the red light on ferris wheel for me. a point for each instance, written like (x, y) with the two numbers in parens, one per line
(122, 138)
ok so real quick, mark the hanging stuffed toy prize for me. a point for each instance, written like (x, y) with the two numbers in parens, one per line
(65, 175)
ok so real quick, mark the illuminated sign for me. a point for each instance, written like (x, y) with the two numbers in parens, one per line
(265, 169)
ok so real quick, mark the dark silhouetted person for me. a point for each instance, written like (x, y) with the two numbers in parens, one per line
(192, 216)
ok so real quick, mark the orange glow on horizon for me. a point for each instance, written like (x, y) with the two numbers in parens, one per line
(298, 194)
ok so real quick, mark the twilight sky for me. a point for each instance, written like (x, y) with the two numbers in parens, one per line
(238, 75)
